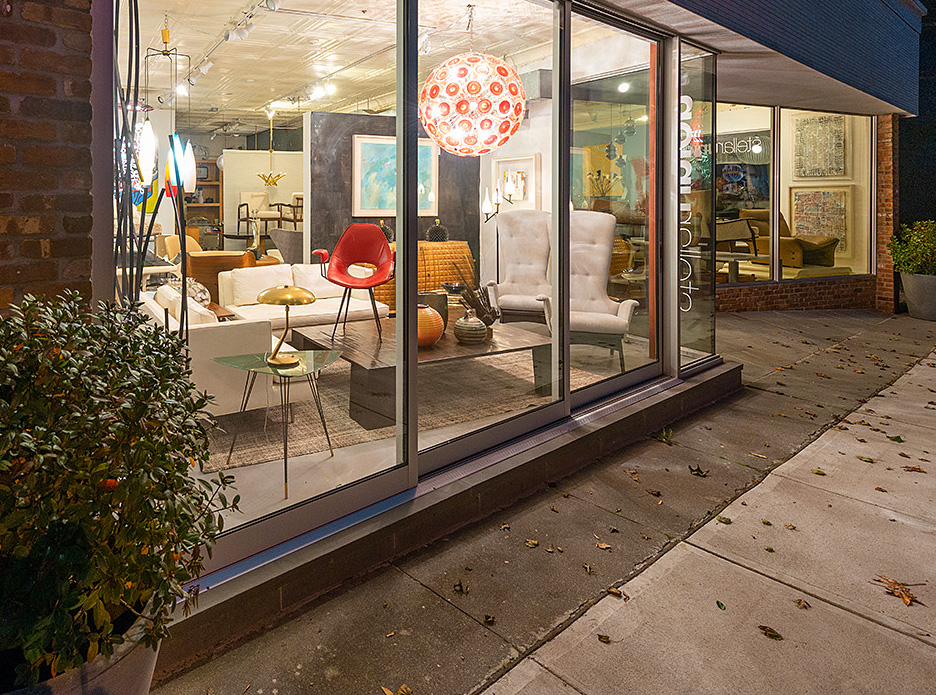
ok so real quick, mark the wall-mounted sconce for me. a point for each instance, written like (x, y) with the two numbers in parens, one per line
(490, 210)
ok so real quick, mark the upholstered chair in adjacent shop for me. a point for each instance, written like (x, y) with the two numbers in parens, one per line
(594, 317)
(289, 244)
(795, 251)
(359, 244)
(255, 206)
(523, 251)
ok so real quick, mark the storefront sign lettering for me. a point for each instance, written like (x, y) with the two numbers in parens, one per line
(687, 136)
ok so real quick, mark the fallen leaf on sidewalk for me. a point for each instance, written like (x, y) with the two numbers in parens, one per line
(789, 527)
(896, 438)
(760, 456)
(770, 632)
(880, 489)
(553, 509)
(390, 634)
(866, 459)
(614, 591)
(697, 470)
(530, 543)
(505, 527)
(460, 588)
(903, 455)
(899, 589)
(631, 471)
(721, 606)
(768, 549)
(603, 546)
(611, 529)
(489, 619)
(403, 690)
(802, 603)
(589, 569)
(655, 493)
(550, 549)
(765, 522)
(723, 519)
(913, 469)
(818, 471)
(604, 639)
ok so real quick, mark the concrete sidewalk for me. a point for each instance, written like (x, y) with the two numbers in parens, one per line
(481, 611)
(856, 504)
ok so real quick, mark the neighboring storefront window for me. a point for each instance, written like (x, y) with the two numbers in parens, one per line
(743, 185)
(696, 249)
(825, 194)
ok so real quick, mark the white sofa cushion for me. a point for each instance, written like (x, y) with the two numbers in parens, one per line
(322, 311)
(249, 282)
(197, 314)
(309, 276)
(166, 295)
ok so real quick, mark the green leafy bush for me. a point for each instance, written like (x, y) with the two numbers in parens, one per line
(101, 521)
(914, 249)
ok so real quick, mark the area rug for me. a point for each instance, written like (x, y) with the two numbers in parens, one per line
(449, 393)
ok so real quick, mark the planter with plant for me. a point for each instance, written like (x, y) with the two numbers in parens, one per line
(914, 254)
(102, 522)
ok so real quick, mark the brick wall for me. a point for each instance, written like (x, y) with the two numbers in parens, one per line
(45, 156)
(863, 292)
(887, 210)
(815, 293)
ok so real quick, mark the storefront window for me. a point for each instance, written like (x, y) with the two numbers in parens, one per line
(743, 180)
(613, 224)
(826, 196)
(696, 250)
(489, 303)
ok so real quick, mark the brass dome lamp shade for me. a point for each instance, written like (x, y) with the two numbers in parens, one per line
(284, 295)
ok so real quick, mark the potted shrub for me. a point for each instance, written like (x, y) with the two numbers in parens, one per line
(102, 524)
(914, 254)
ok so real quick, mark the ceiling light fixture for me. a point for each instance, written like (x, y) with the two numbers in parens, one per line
(424, 44)
(623, 87)
(272, 5)
(205, 67)
(472, 103)
(270, 179)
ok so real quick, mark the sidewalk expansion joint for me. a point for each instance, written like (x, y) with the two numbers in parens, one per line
(812, 594)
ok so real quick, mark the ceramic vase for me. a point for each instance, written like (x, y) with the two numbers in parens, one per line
(437, 301)
(429, 325)
(470, 330)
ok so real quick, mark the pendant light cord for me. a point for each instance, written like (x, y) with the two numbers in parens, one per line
(471, 9)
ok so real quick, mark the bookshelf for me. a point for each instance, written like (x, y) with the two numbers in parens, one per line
(211, 189)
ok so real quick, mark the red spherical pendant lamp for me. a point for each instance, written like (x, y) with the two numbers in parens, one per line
(472, 104)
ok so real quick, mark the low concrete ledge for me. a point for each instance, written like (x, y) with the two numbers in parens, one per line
(254, 602)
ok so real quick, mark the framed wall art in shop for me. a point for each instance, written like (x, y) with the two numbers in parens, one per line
(819, 147)
(524, 172)
(822, 212)
(374, 176)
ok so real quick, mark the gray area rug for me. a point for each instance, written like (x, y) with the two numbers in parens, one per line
(449, 393)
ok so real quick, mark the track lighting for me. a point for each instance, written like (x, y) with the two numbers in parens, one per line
(424, 44)
(205, 67)
(272, 5)
(181, 89)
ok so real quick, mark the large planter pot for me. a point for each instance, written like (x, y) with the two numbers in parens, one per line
(129, 671)
(921, 295)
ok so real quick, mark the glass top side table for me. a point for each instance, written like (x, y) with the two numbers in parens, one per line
(311, 362)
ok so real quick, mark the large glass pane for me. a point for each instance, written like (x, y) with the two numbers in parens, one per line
(485, 240)
(288, 111)
(613, 224)
(697, 250)
(826, 197)
(743, 161)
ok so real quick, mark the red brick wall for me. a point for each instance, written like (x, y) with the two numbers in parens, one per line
(887, 210)
(876, 293)
(45, 157)
(815, 293)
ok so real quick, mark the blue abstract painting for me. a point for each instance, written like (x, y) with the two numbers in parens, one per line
(375, 176)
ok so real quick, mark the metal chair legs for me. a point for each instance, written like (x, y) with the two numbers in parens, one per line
(373, 303)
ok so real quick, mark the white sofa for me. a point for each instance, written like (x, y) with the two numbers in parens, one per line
(238, 290)
(209, 338)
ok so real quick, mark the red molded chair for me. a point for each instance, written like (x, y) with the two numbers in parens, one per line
(360, 243)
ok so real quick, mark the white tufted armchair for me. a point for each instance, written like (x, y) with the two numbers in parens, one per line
(594, 318)
(523, 237)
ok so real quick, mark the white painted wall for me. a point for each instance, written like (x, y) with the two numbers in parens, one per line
(534, 135)
(742, 120)
(240, 176)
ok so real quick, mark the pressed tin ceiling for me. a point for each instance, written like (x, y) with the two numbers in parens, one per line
(346, 46)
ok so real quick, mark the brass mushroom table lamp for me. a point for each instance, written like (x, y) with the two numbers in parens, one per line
(284, 295)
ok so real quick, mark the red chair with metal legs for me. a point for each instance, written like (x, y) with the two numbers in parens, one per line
(360, 244)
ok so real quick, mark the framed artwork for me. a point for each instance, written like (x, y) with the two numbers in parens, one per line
(822, 212)
(819, 146)
(523, 171)
(374, 176)
(201, 172)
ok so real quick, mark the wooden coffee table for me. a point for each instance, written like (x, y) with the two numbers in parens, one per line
(373, 362)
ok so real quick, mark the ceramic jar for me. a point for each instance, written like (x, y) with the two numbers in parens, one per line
(429, 325)
(470, 330)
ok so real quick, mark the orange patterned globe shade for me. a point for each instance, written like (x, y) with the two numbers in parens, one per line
(472, 104)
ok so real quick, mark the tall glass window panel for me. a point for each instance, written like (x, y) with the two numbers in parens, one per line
(486, 239)
(697, 249)
(743, 186)
(328, 89)
(613, 224)
(826, 193)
